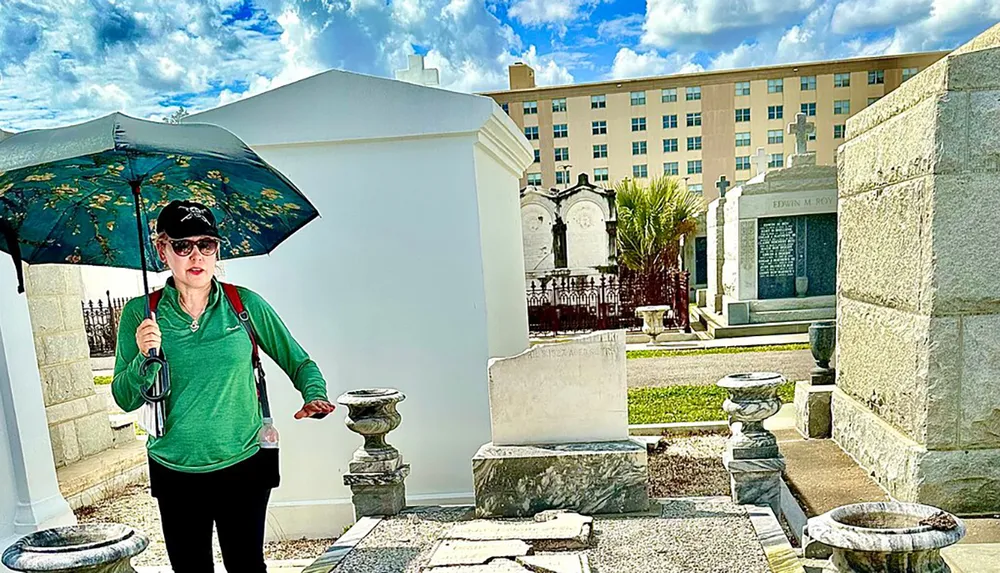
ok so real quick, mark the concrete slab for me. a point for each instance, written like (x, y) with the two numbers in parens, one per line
(90, 480)
(821, 476)
(973, 558)
(450, 552)
(574, 563)
(563, 531)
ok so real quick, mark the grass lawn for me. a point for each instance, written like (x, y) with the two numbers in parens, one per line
(684, 403)
(721, 350)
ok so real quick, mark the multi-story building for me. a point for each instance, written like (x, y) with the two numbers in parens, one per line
(694, 126)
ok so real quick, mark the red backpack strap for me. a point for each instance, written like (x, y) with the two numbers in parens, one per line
(233, 295)
(154, 299)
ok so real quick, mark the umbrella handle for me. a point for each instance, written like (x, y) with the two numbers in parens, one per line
(147, 393)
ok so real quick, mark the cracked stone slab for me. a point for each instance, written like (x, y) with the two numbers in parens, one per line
(495, 566)
(568, 563)
(450, 552)
(552, 532)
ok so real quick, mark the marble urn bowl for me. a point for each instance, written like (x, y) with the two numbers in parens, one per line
(753, 398)
(652, 320)
(90, 548)
(886, 537)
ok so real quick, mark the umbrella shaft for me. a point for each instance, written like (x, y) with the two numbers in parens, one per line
(136, 198)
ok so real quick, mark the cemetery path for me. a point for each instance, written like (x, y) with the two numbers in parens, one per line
(707, 369)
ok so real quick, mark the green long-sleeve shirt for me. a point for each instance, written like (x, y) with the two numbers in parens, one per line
(213, 415)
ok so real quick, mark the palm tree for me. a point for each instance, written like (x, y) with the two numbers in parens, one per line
(652, 218)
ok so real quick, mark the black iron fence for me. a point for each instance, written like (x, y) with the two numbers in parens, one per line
(101, 321)
(582, 304)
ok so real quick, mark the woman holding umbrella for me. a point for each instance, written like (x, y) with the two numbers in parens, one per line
(209, 465)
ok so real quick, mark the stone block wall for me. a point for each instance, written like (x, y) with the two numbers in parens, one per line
(918, 398)
(77, 419)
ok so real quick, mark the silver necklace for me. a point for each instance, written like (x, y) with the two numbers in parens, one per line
(194, 321)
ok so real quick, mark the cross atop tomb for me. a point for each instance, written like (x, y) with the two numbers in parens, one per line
(722, 184)
(759, 160)
(802, 129)
(416, 73)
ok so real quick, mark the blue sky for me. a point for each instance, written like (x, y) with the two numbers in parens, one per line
(64, 61)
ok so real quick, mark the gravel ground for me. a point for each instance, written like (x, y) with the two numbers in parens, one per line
(688, 466)
(707, 369)
(693, 535)
(135, 507)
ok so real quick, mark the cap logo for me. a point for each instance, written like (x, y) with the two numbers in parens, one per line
(194, 213)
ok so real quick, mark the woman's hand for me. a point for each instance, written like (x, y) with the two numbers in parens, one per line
(315, 407)
(147, 336)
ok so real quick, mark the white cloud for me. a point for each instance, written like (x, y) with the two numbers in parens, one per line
(714, 24)
(629, 64)
(623, 27)
(542, 12)
(854, 16)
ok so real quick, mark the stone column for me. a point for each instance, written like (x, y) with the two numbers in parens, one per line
(77, 418)
(716, 252)
(918, 396)
(38, 504)
(751, 455)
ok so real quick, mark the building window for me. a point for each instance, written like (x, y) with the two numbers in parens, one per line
(809, 108)
(694, 143)
(694, 119)
(811, 137)
(909, 73)
(668, 95)
(775, 136)
(638, 98)
(696, 188)
(530, 107)
(560, 130)
(776, 86)
(638, 148)
(743, 139)
(598, 102)
(807, 83)
(669, 121)
(775, 112)
(669, 145)
(876, 77)
(505, 107)
(534, 179)
(601, 151)
(531, 132)
(670, 168)
(693, 94)
(838, 132)
(601, 174)
(742, 88)
(872, 100)
(562, 177)
(742, 115)
(640, 171)
(538, 156)
(638, 124)
(777, 160)
(559, 104)
(562, 154)
(841, 80)
(599, 127)
(842, 107)
(694, 167)
(743, 163)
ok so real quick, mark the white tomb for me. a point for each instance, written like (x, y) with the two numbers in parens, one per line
(412, 278)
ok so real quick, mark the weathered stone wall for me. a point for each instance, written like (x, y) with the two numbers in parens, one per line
(918, 400)
(78, 422)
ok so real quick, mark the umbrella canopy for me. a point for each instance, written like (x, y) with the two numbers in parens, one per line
(68, 195)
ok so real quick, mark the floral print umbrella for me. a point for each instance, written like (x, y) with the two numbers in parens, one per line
(78, 194)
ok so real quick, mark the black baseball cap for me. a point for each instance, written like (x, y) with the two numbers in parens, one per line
(182, 219)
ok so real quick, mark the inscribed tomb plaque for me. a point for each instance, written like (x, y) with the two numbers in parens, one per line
(776, 257)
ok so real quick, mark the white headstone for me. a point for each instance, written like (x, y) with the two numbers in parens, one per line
(536, 234)
(586, 236)
(416, 73)
(572, 392)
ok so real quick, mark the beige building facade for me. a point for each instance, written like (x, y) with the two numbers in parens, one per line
(697, 127)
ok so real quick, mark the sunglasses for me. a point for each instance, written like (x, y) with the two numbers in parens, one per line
(206, 246)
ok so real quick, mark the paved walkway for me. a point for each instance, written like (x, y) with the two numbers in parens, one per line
(707, 369)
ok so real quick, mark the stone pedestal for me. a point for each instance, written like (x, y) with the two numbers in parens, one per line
(376, 472)
(594, 478)
(91, 548)
(812, 409)
(755, 482)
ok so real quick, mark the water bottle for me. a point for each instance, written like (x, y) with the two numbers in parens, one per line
(268, 435)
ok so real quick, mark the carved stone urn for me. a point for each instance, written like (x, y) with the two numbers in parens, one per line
(753, 398)
(87, 548)
(822, 342)
(884, 537)
(652, 320)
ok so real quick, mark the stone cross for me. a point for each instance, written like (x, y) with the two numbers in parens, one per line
(759, 160)
(416, 73)
(722, 184)
(802, 129)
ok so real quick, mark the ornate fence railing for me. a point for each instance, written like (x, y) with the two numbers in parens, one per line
(581, 304)
(101, 322)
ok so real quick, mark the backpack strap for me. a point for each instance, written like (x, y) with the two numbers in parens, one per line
(233, 295)
(154, 299)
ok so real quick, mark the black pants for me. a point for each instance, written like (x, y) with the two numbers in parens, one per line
(234, 499)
